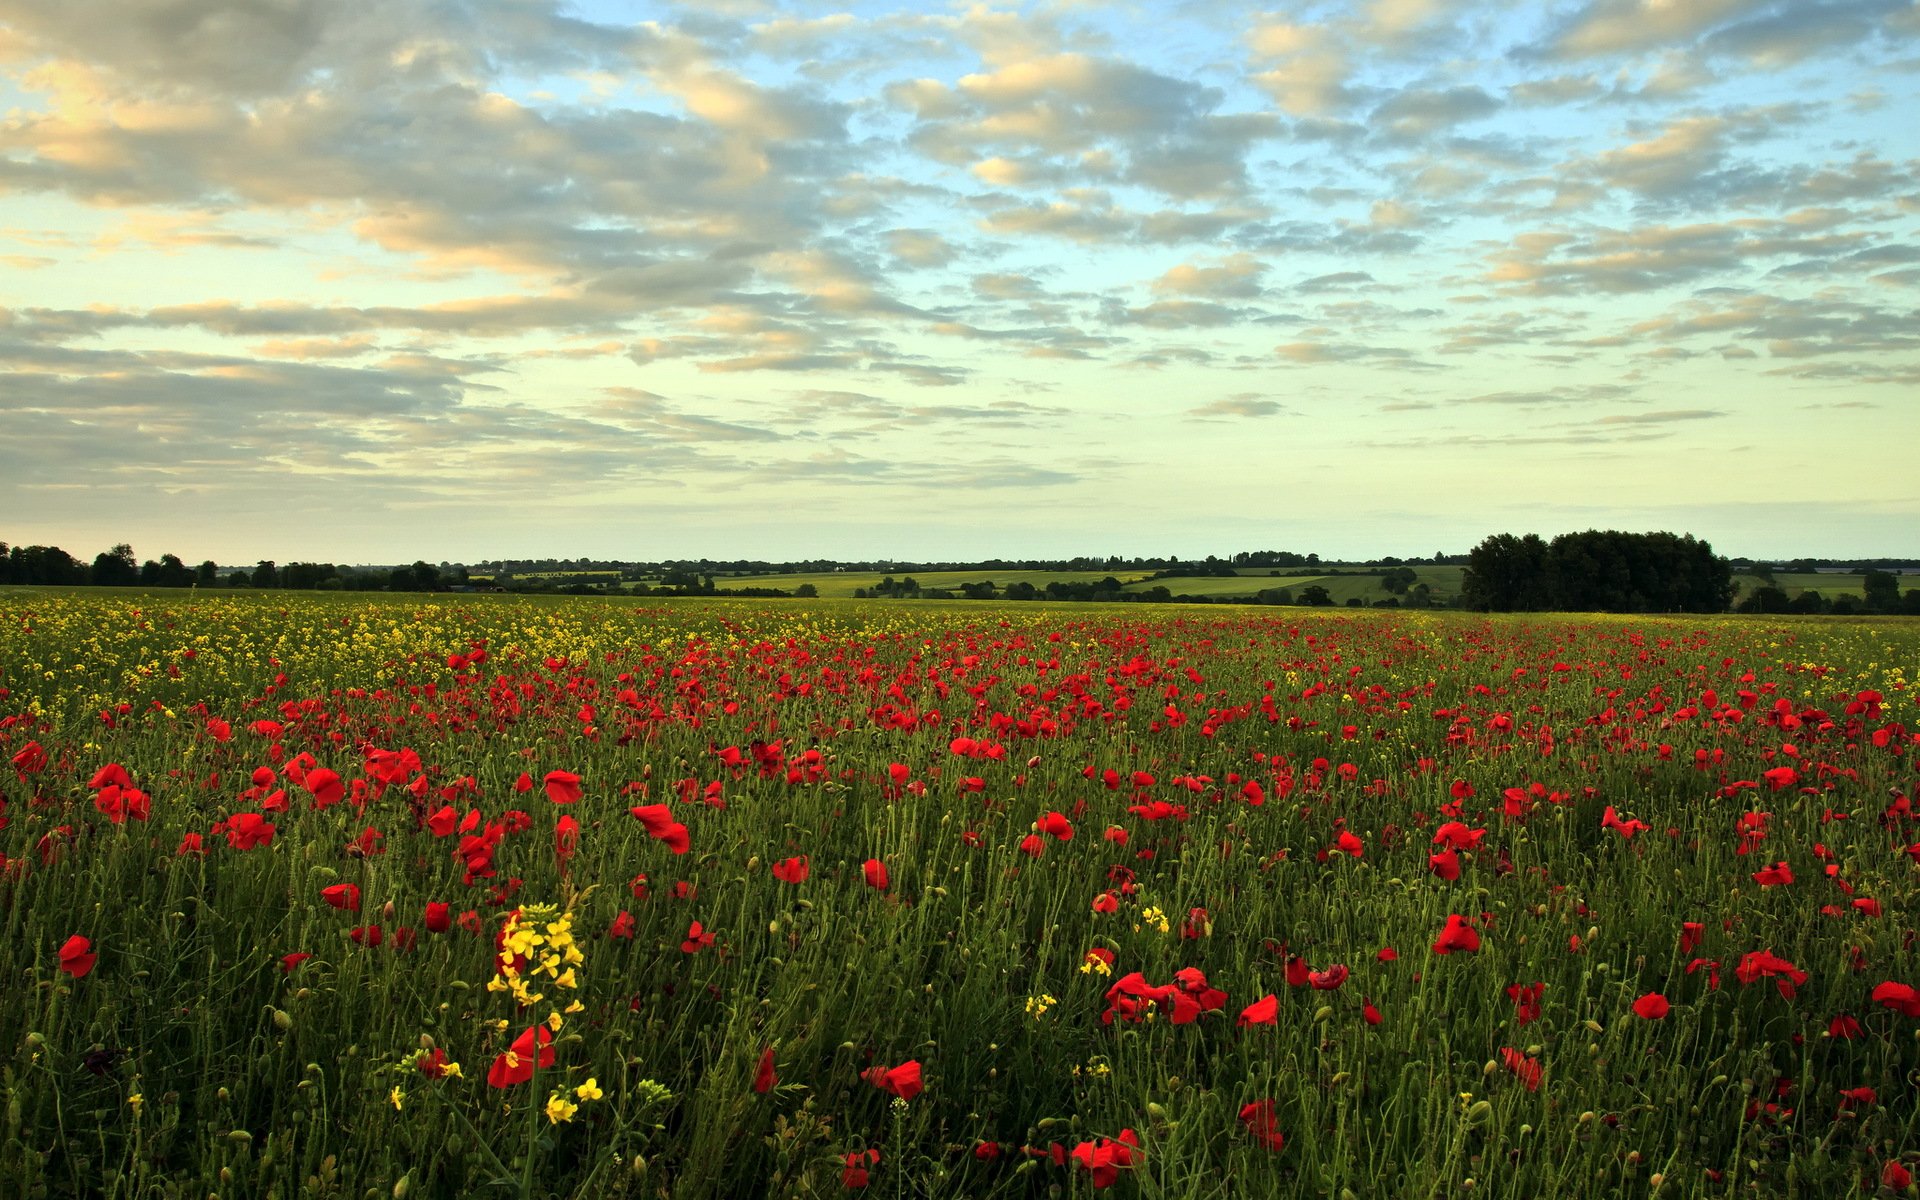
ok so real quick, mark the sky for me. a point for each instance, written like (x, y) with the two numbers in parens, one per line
(470, 279)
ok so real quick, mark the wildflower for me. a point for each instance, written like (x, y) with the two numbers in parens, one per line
(1652, 1006)
(76, 957)
(397, 1097)
(792, 870)
(559, 1109)
(563, 787)
(1264, 1011)
(875, 873)
(345, 896)
(1258, 1118)
(518, 1063)
(903, 1080)
(853, 1173)
(1457, 935)
(763, 1076)
(590, 1090)
(1104, 1159)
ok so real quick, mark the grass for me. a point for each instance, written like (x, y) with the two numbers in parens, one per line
(1296, 771)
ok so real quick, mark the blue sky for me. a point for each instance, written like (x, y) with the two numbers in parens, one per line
(506, 277)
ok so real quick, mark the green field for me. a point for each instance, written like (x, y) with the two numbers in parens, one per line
(844, 583)
(950, 899)
(1443, 581)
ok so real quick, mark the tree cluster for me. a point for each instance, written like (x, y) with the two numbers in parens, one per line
(1597, 571)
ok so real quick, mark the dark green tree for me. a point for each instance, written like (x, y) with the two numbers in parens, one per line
(1507, 574)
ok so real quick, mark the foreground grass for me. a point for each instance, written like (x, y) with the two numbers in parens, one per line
(1246, 794)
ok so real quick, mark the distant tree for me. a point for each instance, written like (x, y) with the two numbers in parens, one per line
(1316, 596)
(115, 568)
(266, 574)
(1507, 574)
(207, 574)
(1398, 579)
(1764, 600)
(1846, 604)
(806, 591)
(1808, 602)
(1882, 591)
(1910, 603)
(46, 565)
(174, 573)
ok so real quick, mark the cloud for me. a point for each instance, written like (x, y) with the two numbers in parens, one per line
(1414, 114)
(1651, 257)
(1236, 277)
(1602, 28)
(1243, 405)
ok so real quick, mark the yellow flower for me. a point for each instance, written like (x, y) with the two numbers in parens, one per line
(135, 1100)
(555, 1021)
(559, 1108)
(590, 1090)
(397, 1096)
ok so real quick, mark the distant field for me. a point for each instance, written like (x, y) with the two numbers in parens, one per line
(1444, 581)
(843, 583)
(1827, 585)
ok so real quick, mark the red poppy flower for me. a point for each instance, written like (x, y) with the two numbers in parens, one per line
(248, 829)
(792, 870)
(903, 1080)
(1106, 902)
(563, 787)
(622, 926)
(343, 896)
(697, 939)
(1055, 824)
(31, 759)
(1458, 935)
(875, 873)
(1329, 979)
(1349, 843)
(289, 961)
(1526, 1001)
(763, 1076)
(1765, 963)
(1445, 864)
(661, 826)
(76, 957)
(325, 787)
(1370, 1014)
(439, 916)
(1895, 1177)
(432, 1064)
(1104, 1159)
(1264, 1011)
(1527, 1069)
(1690, 934)
(853, 1173)
(1653, 1006)
(1900, 997)
(1777, 875)
(517, 1064)
(1258, 1118)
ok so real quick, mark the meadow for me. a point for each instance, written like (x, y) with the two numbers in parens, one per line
(352, 896)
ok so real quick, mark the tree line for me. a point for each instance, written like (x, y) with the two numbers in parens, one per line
(119, 567)
(1611, 571)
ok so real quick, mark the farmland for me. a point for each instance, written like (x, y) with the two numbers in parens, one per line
(318, 895)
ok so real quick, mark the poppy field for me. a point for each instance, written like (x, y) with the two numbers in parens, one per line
(311, 896)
